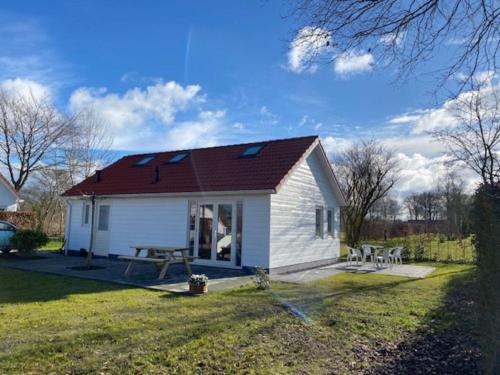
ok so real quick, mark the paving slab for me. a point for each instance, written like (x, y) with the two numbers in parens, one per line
(143, 275)
(302, 277)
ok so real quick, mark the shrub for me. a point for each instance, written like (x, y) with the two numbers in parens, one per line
(262, 279)
(199, 280)
(486, 227)
(27, 240)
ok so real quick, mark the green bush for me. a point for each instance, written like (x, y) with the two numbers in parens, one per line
(27, 240)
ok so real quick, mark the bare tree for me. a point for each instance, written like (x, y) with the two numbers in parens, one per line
(42, 196)
(413, 207)
(475, 141)
(385, 209)
(89, 149)
(367, 172)
(405, 33)
(455, 204)
(31, 131)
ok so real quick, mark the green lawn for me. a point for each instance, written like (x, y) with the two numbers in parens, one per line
(52, 245)
(354, 323)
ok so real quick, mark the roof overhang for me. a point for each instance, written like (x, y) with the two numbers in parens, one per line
(174, 195)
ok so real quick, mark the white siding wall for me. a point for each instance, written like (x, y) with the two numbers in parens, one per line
(164, 220)
(79, 234)
(256, 215)
(157, 221)
(293, 219)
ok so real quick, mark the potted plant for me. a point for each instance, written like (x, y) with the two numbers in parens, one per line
(198, 284)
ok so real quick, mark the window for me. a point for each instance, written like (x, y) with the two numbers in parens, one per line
(179, 157)
(192, 227)
(330, 216)
(4, 227)
(86, 214)
(252, 151)
(319, 222)
(239, 231)
(145, 160)
(103, 218)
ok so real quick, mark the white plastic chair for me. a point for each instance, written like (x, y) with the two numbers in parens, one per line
(384, 259)
(351, 254)
(395, 255)
(367, 252)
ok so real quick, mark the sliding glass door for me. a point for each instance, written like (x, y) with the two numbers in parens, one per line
(216, 237)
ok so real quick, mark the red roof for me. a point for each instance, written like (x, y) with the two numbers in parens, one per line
(211, 169)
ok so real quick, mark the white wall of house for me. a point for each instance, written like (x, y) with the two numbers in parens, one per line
(164, 221)
(293, 216)
(8, 200)
(77, 233)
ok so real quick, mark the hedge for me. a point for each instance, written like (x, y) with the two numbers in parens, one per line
(486, 227)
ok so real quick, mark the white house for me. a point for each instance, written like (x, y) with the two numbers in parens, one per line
(9, 198)
(273, 204)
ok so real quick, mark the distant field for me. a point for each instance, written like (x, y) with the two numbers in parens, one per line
(429, 247)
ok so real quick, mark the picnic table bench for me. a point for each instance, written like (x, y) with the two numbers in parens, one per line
(160, 256)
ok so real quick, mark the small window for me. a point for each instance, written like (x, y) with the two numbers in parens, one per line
(145, 160)
(178, 158)
(330, 223)
(252, 151)
(319, 222)
(103, 218)
(86, 214)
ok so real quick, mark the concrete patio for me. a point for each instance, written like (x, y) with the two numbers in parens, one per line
(406, 270)
(143, 275)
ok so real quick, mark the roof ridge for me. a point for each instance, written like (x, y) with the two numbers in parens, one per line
(220, 146)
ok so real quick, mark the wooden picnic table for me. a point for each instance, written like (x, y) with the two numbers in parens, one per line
(160, 256)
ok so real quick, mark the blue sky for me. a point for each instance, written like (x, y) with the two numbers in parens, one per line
(186, 74)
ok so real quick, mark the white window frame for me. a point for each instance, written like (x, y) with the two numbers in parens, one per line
(84, 211)
(321, 222)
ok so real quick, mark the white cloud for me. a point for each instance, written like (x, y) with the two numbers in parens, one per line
(420, 173)
(310, 42)
(393, 38)
(202, 132)
(452, 111)
(335, 145)
(26, 88)
(353, 62)
(404, 119)
(146, 119)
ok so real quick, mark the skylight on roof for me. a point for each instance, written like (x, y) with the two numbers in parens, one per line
(252, 151)
(178, 158)
(145, 160)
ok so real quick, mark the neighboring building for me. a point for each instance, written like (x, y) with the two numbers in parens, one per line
(9, 198)
(273, 204)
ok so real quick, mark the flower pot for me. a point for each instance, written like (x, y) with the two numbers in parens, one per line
(198, 289)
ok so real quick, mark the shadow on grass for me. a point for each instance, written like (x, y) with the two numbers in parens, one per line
(24, 286)
(445, 343)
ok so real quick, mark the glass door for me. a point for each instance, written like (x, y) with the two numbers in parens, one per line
(205, 227)
(224, 232)
(215, 240)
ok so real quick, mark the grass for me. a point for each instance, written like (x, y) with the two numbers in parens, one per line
(52, 245)
(356, 322)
